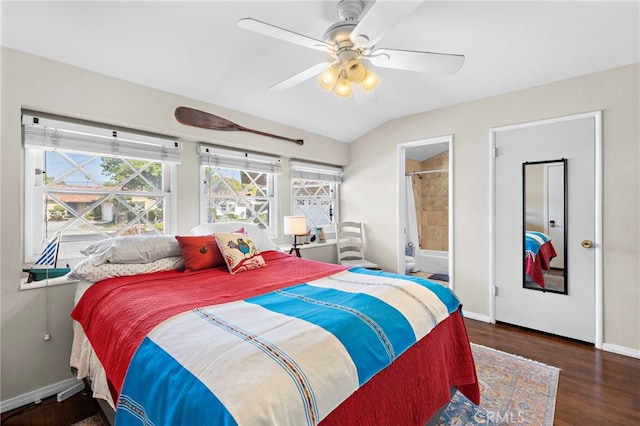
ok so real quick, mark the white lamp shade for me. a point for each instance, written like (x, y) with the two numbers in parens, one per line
(295, 225)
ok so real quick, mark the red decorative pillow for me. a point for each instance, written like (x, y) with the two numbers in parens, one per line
(200, 252)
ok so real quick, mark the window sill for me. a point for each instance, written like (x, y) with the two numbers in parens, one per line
(287, 247)
(24, 285)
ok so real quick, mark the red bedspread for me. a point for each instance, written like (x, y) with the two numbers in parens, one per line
(109, 323)
(535, 265)
(416, 384)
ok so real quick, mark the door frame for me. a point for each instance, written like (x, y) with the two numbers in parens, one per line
(402, 147)
(597, 117)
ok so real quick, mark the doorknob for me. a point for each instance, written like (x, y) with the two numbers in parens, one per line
(587, 244)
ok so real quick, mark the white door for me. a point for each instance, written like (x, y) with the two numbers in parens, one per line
(573, 314)
(555, 212)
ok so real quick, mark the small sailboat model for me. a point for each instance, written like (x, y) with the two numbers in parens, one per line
(48, 259)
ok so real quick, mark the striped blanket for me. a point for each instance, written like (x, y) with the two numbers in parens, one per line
(538, 254)
(533, 241)
(315, 343)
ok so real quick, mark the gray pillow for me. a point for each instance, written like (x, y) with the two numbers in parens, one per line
(132, 249)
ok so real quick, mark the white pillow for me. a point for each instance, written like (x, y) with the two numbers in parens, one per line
(259, 237)
(87, 271)
(132, 249)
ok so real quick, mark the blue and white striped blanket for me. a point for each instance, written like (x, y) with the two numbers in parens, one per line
(533, 241)
(285, 358)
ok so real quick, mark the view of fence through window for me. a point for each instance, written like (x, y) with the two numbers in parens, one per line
(239, 196)
(315, 200)
(95, 196)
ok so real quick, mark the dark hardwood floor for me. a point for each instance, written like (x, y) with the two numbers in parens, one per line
(50, 412)
(595, 387)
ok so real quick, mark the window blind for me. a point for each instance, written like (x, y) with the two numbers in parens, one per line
(310, 171)
(225, 158)
(44, 132)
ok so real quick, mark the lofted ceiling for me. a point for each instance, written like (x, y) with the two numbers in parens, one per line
(195, 49)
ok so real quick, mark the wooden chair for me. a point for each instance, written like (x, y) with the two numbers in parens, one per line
(350, 243)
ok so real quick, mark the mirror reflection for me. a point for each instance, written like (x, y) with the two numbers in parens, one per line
(545, 225)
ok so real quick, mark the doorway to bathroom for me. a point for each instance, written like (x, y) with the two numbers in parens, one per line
(426, 209)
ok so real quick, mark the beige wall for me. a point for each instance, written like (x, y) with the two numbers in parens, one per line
(372, 175)
(30, 82)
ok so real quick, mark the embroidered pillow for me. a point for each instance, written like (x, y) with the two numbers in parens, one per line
(239, 252)
(200, 252)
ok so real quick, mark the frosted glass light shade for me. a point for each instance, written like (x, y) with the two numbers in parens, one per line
(338, 78)
(328, 78)
(370, 81)
(343, 87)
(295, 225)
(356, 71)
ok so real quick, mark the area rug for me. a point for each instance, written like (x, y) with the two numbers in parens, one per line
(95, 420)
(513, 390)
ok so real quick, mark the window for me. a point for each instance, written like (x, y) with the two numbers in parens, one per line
(315, 194)
(90, 183)
(238, 186)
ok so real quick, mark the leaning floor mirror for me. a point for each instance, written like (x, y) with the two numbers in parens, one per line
(544, 206)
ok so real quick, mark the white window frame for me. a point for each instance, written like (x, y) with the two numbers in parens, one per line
(46, 133)
(230, 159)
(303, 170)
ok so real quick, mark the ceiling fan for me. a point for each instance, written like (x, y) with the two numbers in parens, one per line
(351, 42)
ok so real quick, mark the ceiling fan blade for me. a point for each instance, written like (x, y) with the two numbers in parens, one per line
(282, 34)
(300, 77)
(410, 60)
(380, 19)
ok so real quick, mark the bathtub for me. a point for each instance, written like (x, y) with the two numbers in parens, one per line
(433, 261)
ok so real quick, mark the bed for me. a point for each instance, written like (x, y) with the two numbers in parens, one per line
(538, 254)
(284, 341)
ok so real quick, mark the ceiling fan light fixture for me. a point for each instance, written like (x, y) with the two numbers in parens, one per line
(352, 41)
(329, 77)
(343, 87)
(370, 81)
(356, 71)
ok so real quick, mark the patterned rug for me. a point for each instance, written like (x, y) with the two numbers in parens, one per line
(95, 420)
(513, 390)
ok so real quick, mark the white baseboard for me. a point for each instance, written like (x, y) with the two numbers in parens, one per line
(477, 317)
(37, 395)
(621, 350)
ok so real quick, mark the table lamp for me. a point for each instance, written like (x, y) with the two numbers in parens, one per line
(296, 226)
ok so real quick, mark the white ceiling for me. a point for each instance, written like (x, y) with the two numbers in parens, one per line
(195, 49)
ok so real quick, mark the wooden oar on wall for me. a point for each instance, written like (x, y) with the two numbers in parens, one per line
(196, 118)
